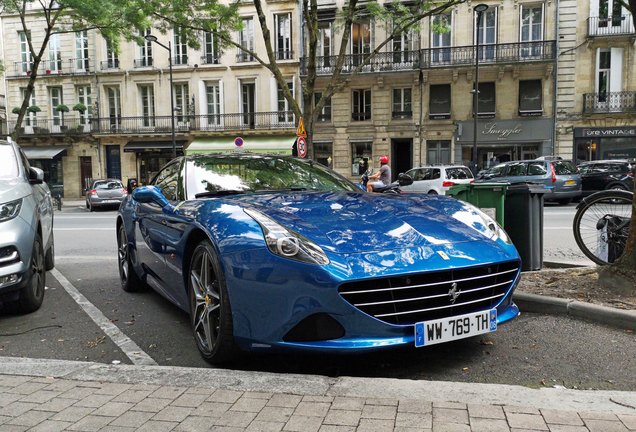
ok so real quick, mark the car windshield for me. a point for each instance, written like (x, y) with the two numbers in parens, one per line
(108, 185)
(564, 167)
(220, 174)
(8, 162)
(458, 173)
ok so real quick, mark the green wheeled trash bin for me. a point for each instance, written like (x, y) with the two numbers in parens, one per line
(488, 197)
(524, 222)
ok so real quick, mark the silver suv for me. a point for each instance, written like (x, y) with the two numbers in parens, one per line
(26, 231)
(437, 179)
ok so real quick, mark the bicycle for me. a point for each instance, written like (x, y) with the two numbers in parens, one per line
(601, 224)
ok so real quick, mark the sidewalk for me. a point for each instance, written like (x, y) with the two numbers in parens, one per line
(51, 395)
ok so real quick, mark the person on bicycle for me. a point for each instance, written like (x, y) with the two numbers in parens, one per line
(382, 177)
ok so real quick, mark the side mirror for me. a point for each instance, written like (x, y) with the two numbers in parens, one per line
(150, 194)
(405, 179)
(36, 176)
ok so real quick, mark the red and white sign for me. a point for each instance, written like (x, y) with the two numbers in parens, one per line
(238, 141)
(301, 145)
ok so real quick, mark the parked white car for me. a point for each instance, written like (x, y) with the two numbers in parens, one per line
(437, 179)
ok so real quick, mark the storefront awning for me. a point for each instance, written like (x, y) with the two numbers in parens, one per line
(44, 152)
(273, 144)
(148, 146)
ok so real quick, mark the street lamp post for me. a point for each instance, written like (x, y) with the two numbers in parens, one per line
(479, 9)
(152, 38)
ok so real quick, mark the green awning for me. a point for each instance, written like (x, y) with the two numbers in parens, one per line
(272, 144)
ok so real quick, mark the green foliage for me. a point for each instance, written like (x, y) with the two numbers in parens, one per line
(62, 108)
(34, 109)
(16, 110)
(79, 107)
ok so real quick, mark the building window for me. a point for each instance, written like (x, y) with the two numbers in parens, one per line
(439, 104)
(55, 99)
(531, 31)
(29, 117)
(486, 99)
(438, 152)
(283, 47)
(530, 98)
(323, 48)
(487, 34)
(55, 55)
(248, 103)
(213, 98)
(403, 48)
(114, 107)
(211, 49)
(25, 54)
(361, 105)
(441, 40)
(360, 40)
(181, 94)
(180, 48)
(246, 40)
(325, 113)
(361, 153)
(84, 96)
(285, 114)
(81, 51)
(147, 94)
(145, 51)
(323, 153)
(402, 104)
(112, 60)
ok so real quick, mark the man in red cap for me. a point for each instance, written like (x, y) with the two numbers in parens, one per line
(382, 178)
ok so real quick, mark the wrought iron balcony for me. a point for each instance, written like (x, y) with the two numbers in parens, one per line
(109, 64)
(210, 59)
(75, 66)
(610, 26)
(158, 124)
(614, 102)
(431, 58)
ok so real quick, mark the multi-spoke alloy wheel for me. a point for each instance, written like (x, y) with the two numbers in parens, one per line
(32, 294)
(209, 306)
(127, 275)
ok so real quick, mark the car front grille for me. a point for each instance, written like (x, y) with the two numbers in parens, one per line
(8, 255)
(432, 295)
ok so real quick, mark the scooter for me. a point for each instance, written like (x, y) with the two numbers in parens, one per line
(393, 188)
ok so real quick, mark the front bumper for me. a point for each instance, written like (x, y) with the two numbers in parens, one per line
(16, 246)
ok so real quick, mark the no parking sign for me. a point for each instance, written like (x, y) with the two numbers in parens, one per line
(302, 147)
(238, 141)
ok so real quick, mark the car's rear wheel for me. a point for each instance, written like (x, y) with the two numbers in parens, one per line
(564, 201)
(210, 311)
(32, 295)
(128, 277)
(90, 206)
(432, 192)
(617, 186)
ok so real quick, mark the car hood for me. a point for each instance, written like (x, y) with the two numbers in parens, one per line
(362, 222)
(11, 190)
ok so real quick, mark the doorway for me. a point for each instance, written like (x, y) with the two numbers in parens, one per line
(113, 162)
(402, 155)
(86, 173)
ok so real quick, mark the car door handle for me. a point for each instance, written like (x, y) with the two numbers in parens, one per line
(164, 222)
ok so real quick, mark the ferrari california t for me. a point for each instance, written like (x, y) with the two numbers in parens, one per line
(273, 252)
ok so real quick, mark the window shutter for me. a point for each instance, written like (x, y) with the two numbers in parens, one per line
(616, 73)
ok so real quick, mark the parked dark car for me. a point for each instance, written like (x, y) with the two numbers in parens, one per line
(560, 178)
(607, 174)
(105, 193)
(26, 231)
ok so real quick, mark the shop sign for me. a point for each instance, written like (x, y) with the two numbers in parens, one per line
(501, 133)
(520, 130)
(626, 131)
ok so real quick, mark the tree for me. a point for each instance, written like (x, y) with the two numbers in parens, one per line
(62, 109)
(222, 20)
(621, 274)
(112, 18)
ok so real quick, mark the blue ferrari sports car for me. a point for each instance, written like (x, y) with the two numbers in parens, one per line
(271, 252)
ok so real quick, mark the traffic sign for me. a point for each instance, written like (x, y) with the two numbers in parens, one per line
(302, 147)
(301, 131)
(238, 141)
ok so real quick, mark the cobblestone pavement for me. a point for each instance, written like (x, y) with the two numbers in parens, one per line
(141, 398)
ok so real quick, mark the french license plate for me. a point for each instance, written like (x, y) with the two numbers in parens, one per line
(455, 327)
(569, 182)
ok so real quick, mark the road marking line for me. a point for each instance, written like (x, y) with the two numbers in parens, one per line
(84, 229)
(557, 228)
(87, 258)
(127, 345)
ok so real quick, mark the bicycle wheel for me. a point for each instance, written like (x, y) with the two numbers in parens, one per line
(601, 225)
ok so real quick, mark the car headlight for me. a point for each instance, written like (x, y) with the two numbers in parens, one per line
(494, 227)
(286, 243)
(10, 210)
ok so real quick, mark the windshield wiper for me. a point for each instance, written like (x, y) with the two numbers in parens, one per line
(223, 192)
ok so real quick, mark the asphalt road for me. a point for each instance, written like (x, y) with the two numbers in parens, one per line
(86, 316)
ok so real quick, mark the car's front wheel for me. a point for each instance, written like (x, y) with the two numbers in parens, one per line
(32, 295)
(128, 277)
(210, 311)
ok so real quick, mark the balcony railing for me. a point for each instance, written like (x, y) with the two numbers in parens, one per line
(109, 64)
(210, 59)
(157, 124)
(610, 26)
(614, 102)
(76, 66)
(430, 58)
